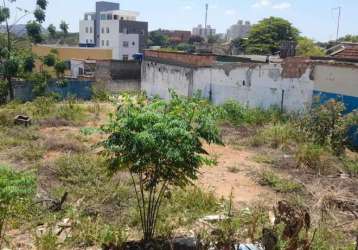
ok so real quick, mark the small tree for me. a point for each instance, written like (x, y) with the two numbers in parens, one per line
(9, 57)
(161, 144)
(307, 47)
(52, 31)
(64, 28)
(15, 189)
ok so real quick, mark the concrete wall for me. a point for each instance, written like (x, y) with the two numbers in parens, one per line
(337, 81)
(254, 85)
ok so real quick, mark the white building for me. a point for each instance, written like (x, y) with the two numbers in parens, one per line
(239, 30)
(123, 45)
(116, 29)
(204, 32)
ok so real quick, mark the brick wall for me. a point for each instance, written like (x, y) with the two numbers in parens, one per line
(295, 67)
(200, 60)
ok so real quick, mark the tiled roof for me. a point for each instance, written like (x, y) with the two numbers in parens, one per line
(348, 52)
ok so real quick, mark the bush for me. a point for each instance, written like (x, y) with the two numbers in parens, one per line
(326, 125)
(278, 135)
(70, 111)
(309, 155)
(237, 114)
(4, 91)
(16, 189)
(279, 184)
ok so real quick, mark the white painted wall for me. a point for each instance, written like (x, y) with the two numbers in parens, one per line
(133, 46)
(84, 36)
(259, 86)
(157, 79)
(337, 80)
(116, 39)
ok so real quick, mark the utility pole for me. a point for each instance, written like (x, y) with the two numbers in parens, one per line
(339, 8)
(206, 15)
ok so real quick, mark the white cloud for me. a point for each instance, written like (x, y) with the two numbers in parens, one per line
(230, 12)
(270, 4)
(188, 7)
(262, 3)
(282, 6)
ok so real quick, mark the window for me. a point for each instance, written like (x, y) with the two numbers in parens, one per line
(115, 17)
(109, 17)
(91, 41)
(125, 57)
(91, 30)
(107, 42)
(102, 42)
(125, 44)
(86, 29)
(125, 30)
(133, 43)
(103, 17)
(86, 40)
(107, 30)
(102, 30)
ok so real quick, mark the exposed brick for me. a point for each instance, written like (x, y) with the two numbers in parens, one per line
(200, 60)
(295, 67)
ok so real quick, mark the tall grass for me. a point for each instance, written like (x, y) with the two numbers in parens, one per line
(238, 114)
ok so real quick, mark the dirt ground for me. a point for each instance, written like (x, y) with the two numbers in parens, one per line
(239, 183)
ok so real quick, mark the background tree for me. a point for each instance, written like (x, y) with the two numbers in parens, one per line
(64, 29)
(52, 31)
(9, 57)
(157, 39)
(195, 39)
(161, 144)
(214, 39)
(307, 47)
(266, 36)
(238, 45)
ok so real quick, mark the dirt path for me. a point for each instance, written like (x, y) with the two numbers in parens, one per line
(234, 172)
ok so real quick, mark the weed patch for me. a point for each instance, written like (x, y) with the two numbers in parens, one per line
(279, 184)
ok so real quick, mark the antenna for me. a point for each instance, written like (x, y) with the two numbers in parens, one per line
(339, 8)
(206, 15)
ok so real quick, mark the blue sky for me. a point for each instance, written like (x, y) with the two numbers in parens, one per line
(315, 18)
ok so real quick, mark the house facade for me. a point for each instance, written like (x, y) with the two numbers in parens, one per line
(111, 28)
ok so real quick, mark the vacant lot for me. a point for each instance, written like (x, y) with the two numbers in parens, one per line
(265, 159)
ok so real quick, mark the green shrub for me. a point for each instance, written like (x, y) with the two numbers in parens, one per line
(310, 155)
(326, 125)
(100, 94)
(47, 241)
(4, 91)
(281, 134)
(70, 110)
(351, 166)
(15, 189)
(238, 114)
(279, 184)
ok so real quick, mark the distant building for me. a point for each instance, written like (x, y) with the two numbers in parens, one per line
(239, 30)
(176, 36)
(110, 27)
(204, 32)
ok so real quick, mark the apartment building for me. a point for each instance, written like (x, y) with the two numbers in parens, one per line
(204, 32)
(239, 30)
(113, 28)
